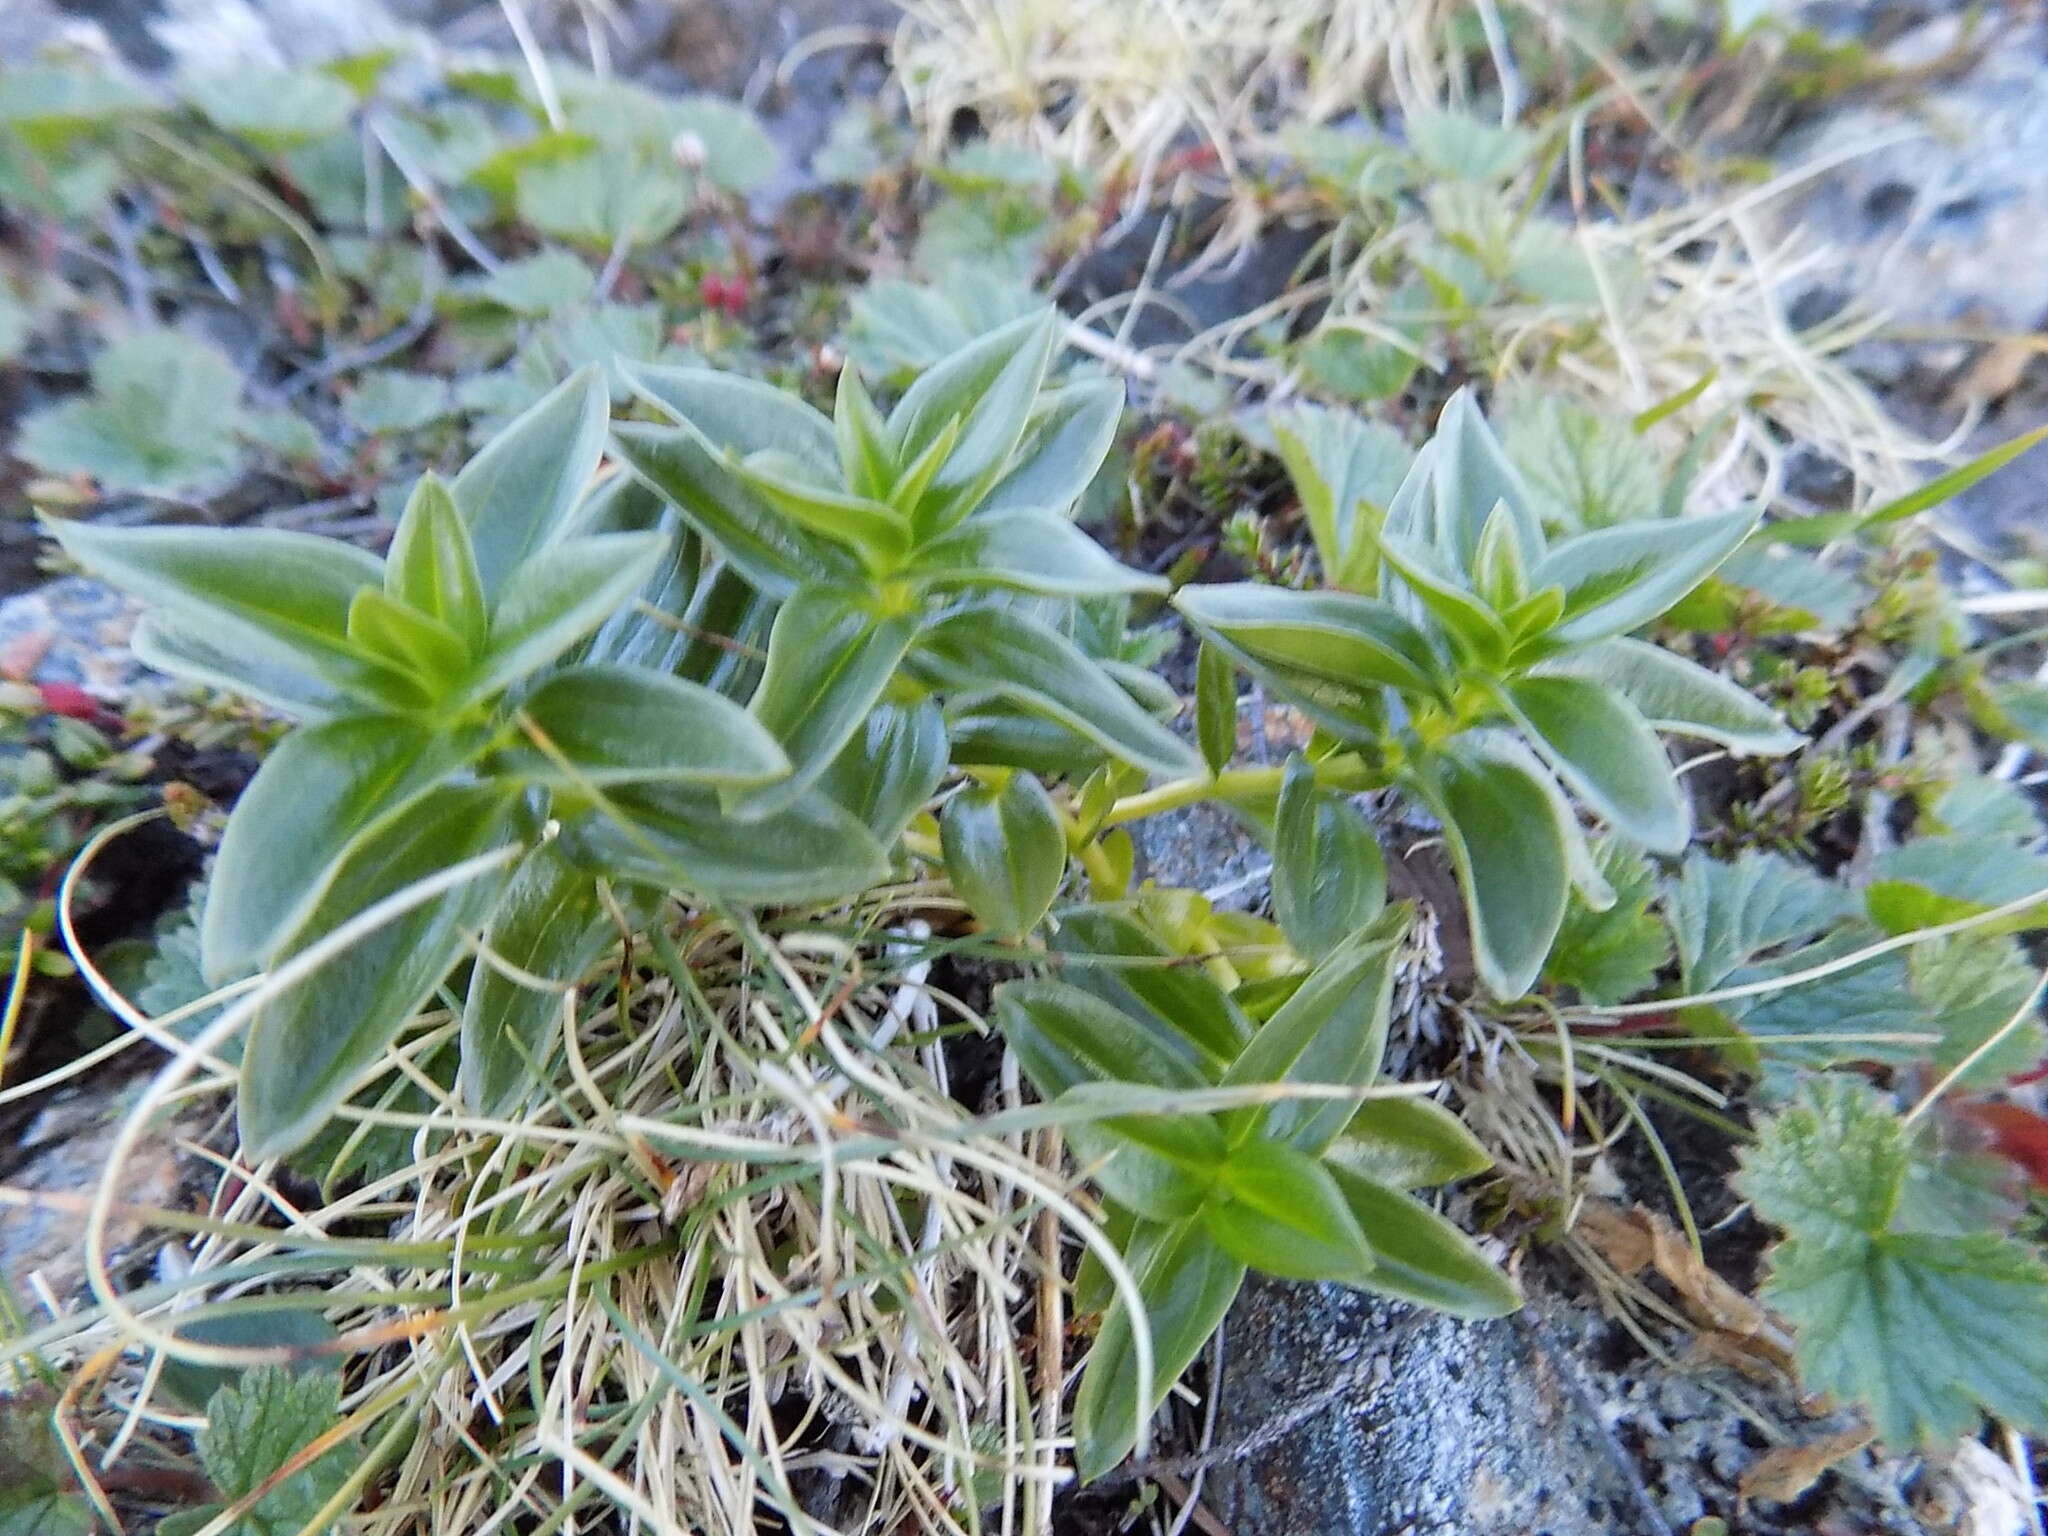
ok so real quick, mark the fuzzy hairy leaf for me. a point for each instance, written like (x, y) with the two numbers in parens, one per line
(626, 725)
(1031, 552)
(1619, 579)
(1607, 754)
(161, 418)
(1062, 449)
(1679, 696)
(559, 597)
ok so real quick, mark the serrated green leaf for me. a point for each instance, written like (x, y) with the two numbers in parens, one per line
(272, 107)
(1346, 470)
(1613, 955)
(256, 1427)
(1831, 1165)
(1724, 913)
(540, 284)
(1607, 754)
(1006, 853)
(519, 492)
(161, 418)
(395, 400)
(1584, 469)
(1934, 880)
(1329, 876)
(1419, 1256)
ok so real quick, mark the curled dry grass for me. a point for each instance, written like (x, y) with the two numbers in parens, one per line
(750, 1264)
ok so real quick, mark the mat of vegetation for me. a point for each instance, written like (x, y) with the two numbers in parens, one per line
(704, 843)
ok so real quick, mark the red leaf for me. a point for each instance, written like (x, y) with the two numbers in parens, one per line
(2019, 1135)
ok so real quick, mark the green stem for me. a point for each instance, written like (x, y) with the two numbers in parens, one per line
(1346, 774)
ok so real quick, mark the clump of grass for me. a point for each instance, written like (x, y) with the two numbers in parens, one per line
(751, 1259)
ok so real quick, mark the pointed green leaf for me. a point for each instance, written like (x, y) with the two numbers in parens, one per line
(1679, 696)
(1064, 444)
(1508, 844)
(1607, 754)
(1331, 1033)
(551, 925)
(872, 530)
(1006, 853)
(677, 837)
(1422, 1258)
(422, 648)
(867, 454)
(992, 385)
(260, 674)
(1619, 579)
(1329, 877)
(890, 767)
(1000, 652)
(1030, 551)
(1162, 1166)
(1216, 708)
(1281, 1212)
(1471, 476)
(739, 415)
(553, 601)
(519, 493)
(1407, 1143)
(626, 725)
(310, 1047)
(432, 568)
(322, 788)
(773, 553)
(1064, 1037)
(1330, 652)
(830, 656)
(1187, 1283)
(1476, 631)
(1180, 1003)
(282, 596)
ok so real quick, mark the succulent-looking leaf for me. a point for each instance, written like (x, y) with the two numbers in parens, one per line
(1187, 1283)
(551, 925)
(1507, 843)
(558, 598)
(1329, 877)
(989, 652)
(1006, 853)
(1280, 1211)
(625, 725)
(1419, 1256)
(1030, 551)
(519, 492)
(1608, 755)
(830, 656)
(431, 567)
(308, 1047)
(1619, 579)
(318, 791)
(1680, 696)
